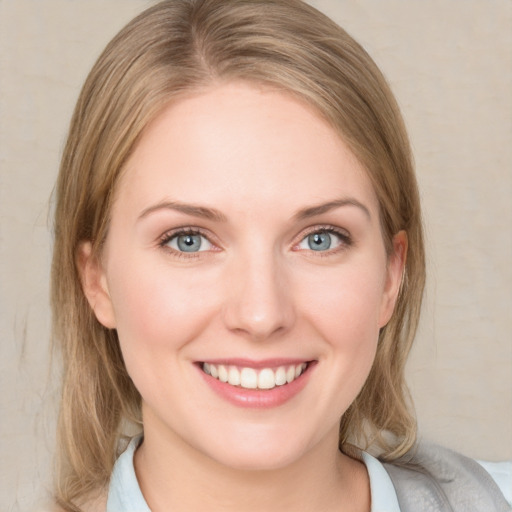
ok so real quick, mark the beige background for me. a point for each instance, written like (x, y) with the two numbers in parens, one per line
(450, 64)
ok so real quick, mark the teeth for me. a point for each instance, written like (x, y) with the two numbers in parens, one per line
(280, 376)
(234, 376)
(223, 373)
(249, 378)
(266, 379)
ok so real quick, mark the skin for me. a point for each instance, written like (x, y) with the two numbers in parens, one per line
(257, 157)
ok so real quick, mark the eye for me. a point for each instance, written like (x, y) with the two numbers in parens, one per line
(187, 242)
(322, 240)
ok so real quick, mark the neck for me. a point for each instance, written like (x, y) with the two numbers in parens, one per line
(175, 476)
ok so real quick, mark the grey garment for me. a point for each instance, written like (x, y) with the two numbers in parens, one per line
(435, 479)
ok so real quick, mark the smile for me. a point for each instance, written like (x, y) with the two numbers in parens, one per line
(251, 378)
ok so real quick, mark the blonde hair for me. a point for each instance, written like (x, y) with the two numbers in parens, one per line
(171, 49)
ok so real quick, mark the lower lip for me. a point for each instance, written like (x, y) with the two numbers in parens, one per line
(258, 398)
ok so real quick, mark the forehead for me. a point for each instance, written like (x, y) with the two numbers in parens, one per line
(255, 142)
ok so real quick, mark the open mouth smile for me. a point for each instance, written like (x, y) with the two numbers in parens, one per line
(263, 384)
(252, 378)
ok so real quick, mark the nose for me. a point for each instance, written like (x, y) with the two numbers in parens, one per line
(259, 301)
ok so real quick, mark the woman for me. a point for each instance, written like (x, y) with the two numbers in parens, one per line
(238, 272)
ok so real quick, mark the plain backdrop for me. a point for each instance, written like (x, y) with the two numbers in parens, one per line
(450, 66)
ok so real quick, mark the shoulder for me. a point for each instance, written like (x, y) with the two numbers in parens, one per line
(435, 479)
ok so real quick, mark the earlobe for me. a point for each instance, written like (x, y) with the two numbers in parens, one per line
(94, 285)
(395, 271)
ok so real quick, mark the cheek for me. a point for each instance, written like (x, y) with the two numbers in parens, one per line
(346, 301)
(157, 308)
(341, 306)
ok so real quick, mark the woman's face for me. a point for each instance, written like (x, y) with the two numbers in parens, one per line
(245, 245)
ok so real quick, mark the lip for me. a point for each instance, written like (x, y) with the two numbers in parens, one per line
(257, 398)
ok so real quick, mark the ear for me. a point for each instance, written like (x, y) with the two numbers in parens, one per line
(395, 270)
(94, 285)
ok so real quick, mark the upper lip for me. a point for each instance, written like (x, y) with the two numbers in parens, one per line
(256, 364)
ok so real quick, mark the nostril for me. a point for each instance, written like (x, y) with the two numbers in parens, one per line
(258, 320)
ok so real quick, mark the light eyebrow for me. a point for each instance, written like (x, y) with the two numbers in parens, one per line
(186, 208)
(312, 211)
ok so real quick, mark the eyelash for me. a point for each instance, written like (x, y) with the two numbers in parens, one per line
(170, 235)
(344, 237)
(346, 240)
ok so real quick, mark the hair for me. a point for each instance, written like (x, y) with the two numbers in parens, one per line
(175, 48)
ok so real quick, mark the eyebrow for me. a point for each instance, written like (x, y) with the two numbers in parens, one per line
(312, 211)
(215, 215)
(186, 208)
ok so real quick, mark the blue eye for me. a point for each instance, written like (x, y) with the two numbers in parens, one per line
(188, 242)
(323, 240)
(319, 241)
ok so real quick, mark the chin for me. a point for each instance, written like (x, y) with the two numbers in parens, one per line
(258, 452)
(254, 460)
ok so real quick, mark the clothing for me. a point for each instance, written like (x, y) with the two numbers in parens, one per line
(435, 479)
(124, 494)
(416, 483)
